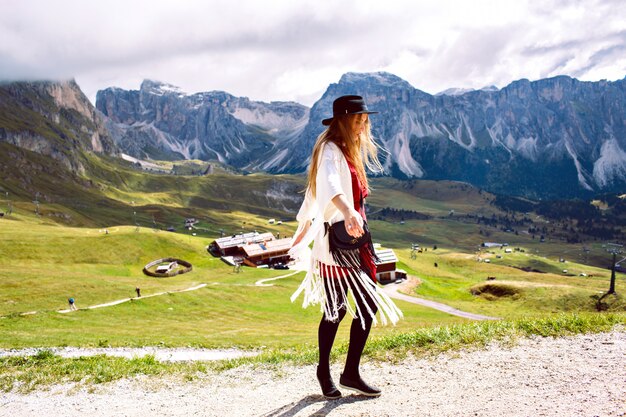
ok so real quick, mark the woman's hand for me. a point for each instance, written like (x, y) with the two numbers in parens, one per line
(354, 223)
(353, 220)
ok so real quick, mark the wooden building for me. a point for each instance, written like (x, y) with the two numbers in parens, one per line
(386, 270)
(267, 253)
(231, 245)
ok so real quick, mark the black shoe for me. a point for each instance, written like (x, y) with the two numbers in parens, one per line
(329, 389)
(359, 386)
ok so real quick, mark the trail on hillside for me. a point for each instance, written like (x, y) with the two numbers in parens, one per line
(260, 283)
(390, 289)
(263, 282)
(125, 300)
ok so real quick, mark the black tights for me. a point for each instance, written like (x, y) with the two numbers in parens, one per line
(358, 336)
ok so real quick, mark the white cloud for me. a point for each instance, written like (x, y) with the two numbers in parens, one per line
(292, 50)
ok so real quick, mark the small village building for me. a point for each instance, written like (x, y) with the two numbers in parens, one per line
(231, 245)
(164, 269)
(386, 270)
(269, 252)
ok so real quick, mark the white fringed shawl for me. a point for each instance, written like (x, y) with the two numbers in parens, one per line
(333, 178)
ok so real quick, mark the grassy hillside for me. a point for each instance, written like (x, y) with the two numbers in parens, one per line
(57, 247)
(461, 280)
(436, 198)
(114, 193)
(44, 265)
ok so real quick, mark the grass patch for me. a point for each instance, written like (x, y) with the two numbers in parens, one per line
(495, 290)
(428, 341)
(44, 369)
(610, 302)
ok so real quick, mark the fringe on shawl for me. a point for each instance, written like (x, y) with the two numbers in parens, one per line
(351, 258)
(363, 287)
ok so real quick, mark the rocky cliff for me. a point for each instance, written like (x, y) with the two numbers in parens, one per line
(54, 119)
(159, 121)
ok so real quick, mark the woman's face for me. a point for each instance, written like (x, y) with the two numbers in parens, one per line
(358, 124)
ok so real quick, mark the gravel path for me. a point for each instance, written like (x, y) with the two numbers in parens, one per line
(582, 375)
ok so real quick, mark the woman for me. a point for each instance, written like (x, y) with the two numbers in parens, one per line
(337, 187)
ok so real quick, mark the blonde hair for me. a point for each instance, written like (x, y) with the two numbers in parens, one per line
(360, 155)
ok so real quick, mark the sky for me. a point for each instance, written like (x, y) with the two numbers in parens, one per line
(275, 50)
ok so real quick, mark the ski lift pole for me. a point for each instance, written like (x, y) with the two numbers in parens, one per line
(613, 249)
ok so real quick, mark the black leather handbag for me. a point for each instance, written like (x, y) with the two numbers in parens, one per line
(344, 248)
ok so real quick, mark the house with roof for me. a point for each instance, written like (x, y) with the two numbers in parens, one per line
(231, 245)
(269, 252)
(386, 270)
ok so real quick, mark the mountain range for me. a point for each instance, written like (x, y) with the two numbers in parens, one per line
(551, 138)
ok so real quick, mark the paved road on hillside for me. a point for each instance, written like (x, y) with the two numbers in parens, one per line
(392, 291)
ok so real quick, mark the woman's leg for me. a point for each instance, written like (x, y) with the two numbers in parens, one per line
(358, 334)
(328, 328)
(336, 299)
(351, 378)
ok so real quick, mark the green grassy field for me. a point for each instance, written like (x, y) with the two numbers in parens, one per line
(460, 280)
(45, 264)
(64, 252)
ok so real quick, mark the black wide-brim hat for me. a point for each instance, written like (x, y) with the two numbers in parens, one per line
(348, 105)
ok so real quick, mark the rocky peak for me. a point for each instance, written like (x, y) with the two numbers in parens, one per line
(380, 78)
(160, 88)
(557, 137)
(53, 118)
(454, 91)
